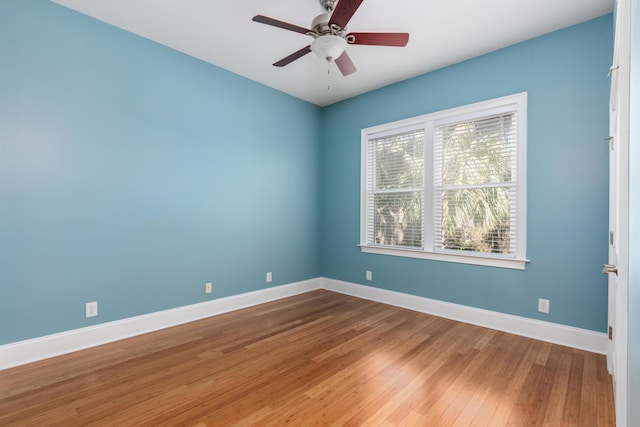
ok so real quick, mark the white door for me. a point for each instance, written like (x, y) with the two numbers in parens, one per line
(617, 266)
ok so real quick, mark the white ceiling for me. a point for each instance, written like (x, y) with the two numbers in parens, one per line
(442, 32)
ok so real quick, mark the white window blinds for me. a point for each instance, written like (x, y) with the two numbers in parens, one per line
(475, 185)
(395, 177)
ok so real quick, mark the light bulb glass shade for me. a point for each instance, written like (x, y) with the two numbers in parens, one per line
(328, 47)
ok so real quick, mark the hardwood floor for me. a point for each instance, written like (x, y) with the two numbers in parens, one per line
(319, 358)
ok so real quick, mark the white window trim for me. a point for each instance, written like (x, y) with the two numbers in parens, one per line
(428, 121)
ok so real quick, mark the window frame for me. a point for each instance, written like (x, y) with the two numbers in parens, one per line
(517, 103)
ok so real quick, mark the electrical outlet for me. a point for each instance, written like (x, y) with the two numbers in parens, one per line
(91, 309)
(269, 277)
(208, 287)
(543, 305)
(369, 275)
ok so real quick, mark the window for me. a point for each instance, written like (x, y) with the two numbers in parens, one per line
(448, 186)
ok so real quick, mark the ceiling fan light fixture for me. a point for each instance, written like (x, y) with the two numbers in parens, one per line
(328, 47)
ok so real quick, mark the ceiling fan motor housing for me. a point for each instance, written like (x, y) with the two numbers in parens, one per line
(320, 25)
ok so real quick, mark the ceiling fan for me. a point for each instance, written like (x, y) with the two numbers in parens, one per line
(330, 37)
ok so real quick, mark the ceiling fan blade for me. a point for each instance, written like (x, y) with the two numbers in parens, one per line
(344, 11)
(379, 39)
(345, 64)
(289, 59)
(280, 24)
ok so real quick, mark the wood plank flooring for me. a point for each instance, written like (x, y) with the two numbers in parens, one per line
(317, 359)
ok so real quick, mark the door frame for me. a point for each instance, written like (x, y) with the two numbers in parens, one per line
(619, 207)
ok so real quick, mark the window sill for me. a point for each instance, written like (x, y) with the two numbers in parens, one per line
(516, 264)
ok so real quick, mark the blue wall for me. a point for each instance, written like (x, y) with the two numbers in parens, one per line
(634, 224)
(131, 174)
(565, 75)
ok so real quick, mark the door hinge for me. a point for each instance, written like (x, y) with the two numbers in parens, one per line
(610, 139)
(609, 268)
(611, 238)
(610, 332)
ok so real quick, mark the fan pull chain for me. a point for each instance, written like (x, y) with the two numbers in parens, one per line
(328, 75)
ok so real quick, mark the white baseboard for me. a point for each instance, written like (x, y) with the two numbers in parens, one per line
(23, 352)
(582, 339)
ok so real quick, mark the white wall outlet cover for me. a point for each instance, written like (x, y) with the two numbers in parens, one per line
(208, 287)
(369, 275)
(269, 277)
(91, 309)
(543, 305)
